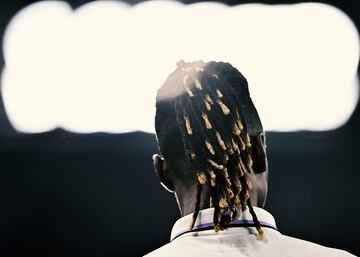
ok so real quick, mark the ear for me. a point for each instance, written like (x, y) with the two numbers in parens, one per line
(260, 164)
(165, 175)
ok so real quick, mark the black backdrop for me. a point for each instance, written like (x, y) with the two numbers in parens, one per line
(66, 194)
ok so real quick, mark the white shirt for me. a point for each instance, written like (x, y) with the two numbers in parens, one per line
(240, 239)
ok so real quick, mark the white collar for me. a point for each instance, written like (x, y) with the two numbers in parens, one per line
(204, 221)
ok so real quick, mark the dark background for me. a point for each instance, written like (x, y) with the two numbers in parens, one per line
(66, 194)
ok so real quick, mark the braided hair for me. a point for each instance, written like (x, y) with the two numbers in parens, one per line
(206, 108)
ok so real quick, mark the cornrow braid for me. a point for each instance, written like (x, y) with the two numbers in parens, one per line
(216, 139)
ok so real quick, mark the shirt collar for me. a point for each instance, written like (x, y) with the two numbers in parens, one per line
(204, 221)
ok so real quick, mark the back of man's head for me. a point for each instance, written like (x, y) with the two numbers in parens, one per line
(211, 137)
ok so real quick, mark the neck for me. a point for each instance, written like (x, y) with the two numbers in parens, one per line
(186, 200)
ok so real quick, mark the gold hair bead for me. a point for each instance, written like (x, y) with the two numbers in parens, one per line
(242, 144)
(223, 203)
(215, 165)
(215, 76)
(229, 148)
(248, 144)
(261, 233)
(230, 192)
(209, 147)
(228, 181)
(241, 168)
(188, 126)
(212, 178)
(220, 141)
(223, 107)
(208, 98)
(193, 155)
(218, 93)
(234, 145)
(237, 199)
(201, 177)
(248, 184)
(242, 165)
(238, 184)
(236, 130)
(208, 106)
(207, 122)
(212, 174)
(226, 157)
(226, 175)
(249, 162)
(240, 125)
(189, 91)
(198, 84)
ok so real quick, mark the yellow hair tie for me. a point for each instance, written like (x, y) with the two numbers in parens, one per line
(223, 203)
(229, 148)
(261, 233)
(248, 184)
(248, 144)
(237, 199)
(249, 162)
(188, 126)
(189, 91)
(208, 98)
(202, 177)
(218, 93)
(220, 141)
(230, 192)
(198, 84)
(226, 174)
(235, 146)
(240, 125)
(236, 130)
(209, 147)
(212, 177)
(215, 165)
(207, 122)
(223, 107)
(237, 184)
(242, 144)
(208, 106)
(193, 155)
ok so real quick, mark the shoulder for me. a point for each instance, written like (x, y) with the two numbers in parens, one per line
(307, 248)
(166, 250)
(187, 246)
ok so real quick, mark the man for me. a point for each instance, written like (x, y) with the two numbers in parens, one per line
(214, 160)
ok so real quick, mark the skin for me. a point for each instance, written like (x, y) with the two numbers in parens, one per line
(186, 192)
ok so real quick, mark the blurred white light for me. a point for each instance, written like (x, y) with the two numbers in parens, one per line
(97, 68)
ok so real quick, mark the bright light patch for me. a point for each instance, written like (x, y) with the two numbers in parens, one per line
(98, 68)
